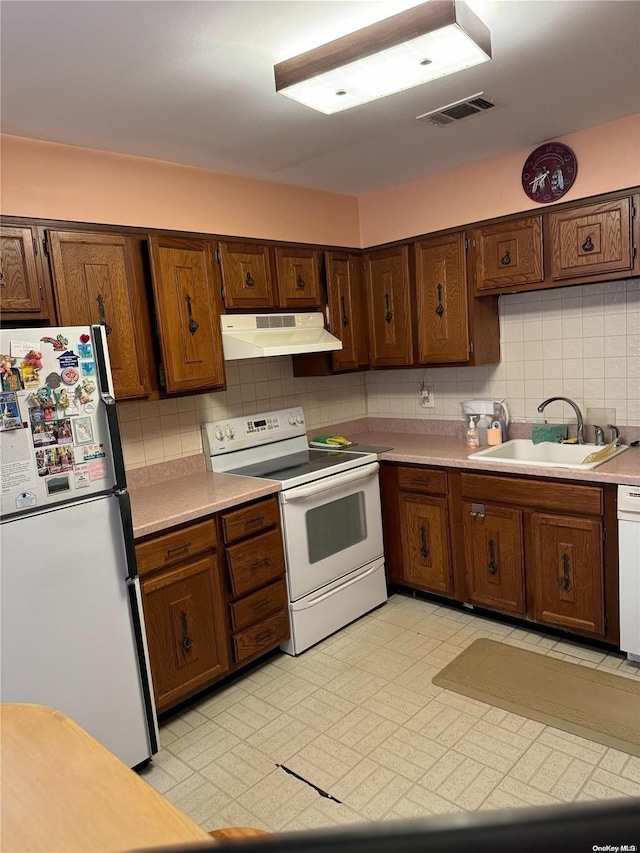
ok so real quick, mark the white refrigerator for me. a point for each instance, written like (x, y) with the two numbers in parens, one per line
(72, 627)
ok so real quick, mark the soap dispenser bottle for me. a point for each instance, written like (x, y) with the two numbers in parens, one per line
(472, 433)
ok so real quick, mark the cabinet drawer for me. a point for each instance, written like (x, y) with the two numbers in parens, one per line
(532, 494)
(173, 547)
(423, 480)
(258, 605)
(254, 563)
(261, 637)
(250, 519)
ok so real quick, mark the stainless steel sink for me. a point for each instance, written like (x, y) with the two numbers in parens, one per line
(546, 454)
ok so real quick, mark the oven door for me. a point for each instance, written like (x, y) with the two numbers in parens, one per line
(331, 527)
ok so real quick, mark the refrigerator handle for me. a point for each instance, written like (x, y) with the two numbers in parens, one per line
(106, 392)
(124, 503)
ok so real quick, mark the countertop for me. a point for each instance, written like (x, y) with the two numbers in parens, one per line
(188, 492)
(452, 452)
(162, 505)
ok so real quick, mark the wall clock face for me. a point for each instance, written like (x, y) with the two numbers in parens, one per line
(549, 172)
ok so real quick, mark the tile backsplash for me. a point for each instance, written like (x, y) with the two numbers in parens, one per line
(581, 342)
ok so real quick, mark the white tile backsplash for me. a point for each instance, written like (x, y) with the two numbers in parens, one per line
(581, 342)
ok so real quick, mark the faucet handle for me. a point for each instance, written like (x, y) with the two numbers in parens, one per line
(615, 433)
(599, 434)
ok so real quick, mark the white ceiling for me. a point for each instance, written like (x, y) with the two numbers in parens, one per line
(192, 82)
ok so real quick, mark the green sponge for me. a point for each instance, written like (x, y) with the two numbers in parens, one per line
(548, 432)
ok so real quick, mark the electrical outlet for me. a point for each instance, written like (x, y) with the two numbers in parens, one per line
(426, 397)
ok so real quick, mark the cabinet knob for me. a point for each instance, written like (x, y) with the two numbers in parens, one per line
(250, 280)
(301, 283)
(505, 260)
(588, 246)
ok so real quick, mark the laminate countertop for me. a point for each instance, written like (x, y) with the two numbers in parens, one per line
(178, 500)
(451, 452)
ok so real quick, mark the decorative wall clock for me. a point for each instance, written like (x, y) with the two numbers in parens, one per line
(549, 172)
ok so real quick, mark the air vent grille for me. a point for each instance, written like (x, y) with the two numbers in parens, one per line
(458, 110)
(276, 321)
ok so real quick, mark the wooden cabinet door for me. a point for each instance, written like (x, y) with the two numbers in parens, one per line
(388, 297)
(185, 287)
(567, 572)
(509, 253)
(494, 557)
(298, 276)
(95, 282)
(425, 543)
(347, 310)
(246, 275)
(592, 239)
(441, 299)
(21, 289)
(186, 630)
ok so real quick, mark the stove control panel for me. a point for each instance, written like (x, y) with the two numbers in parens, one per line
(240, 433)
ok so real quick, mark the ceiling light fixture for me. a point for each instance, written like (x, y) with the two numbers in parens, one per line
(413, 47)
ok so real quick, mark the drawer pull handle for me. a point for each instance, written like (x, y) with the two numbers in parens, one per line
(300, 283)
(187, 642)
(564, 582)
(103, 319)
(588, 246)
(262, 606)
(345, 319)
(268, 635)
(263, 562)
(257, 520)
(389, 315)
(493, 566)
(505, 260)
(178, 549)
(250, 280)
(440, 308)
(193, 326)
(420, 482)
(424, 551)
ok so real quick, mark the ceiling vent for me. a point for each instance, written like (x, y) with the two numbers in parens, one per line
(458, 110)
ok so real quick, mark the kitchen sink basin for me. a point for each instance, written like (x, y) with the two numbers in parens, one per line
(546, 454)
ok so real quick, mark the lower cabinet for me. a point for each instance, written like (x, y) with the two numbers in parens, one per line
(532, 548)
(209, 610)
(184, 611)
(494, 554)
(258, 603)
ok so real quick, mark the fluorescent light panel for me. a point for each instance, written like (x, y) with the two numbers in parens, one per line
(386, 57)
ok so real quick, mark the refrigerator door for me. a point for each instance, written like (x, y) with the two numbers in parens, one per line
(70, 638)
(59, 436)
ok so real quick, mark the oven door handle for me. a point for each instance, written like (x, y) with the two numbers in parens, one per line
(328, 483)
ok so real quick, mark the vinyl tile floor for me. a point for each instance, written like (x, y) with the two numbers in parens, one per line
(358, 717)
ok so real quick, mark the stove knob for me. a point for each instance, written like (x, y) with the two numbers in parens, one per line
(219, 434)
(229, 432)
(292, 420)
(299, 419)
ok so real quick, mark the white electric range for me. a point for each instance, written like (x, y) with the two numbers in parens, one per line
(331, 518)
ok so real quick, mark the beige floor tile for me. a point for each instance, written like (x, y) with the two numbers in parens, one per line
(573, 745)
(221, 700)
(284, 691)
(201, 803)
(375, 631)
(239, 768)
(418, 677)
(614, 761)
(324, 813)
(157, 777)
(413, 645)
(172, 765)
(440, 723)
(347, 648)
(493, 746)
(356, 685)
(408, 754)
(419, 802)
(583, 653)
(215, 745)
(438, 627)
(631, 770)
(247, 716)
(611, 781)
(233, 814)
(525, 793)
(278, 799)
(385, 662)
(193, 717)
(461, 780)
(166, 736)
(282, 738)
(395, 702)
(319, 668)
(376, 794)
(324, 762)
(196, 741)
(322, 710)
(469, 706)
(361, 730)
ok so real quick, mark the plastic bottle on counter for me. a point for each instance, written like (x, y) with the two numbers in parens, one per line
(494, 433)
(472, 433)
(484, 423)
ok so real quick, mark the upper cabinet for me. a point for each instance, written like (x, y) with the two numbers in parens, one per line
(247, 279)
(97, 280)
(347, 309)
(591, 239)
(186, 287)
(298, 276)
(389, 301)
(23, 291)
(508, 254)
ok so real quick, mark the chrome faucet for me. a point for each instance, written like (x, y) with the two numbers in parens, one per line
(580, 430)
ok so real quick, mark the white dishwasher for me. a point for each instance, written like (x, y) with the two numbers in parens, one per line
(629, 545)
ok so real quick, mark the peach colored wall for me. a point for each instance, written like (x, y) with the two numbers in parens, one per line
(51, 181)
(608, 159)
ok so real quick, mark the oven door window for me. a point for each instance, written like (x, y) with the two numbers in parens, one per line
(335, 526)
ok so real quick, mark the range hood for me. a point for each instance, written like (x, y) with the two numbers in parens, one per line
(261, 335)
